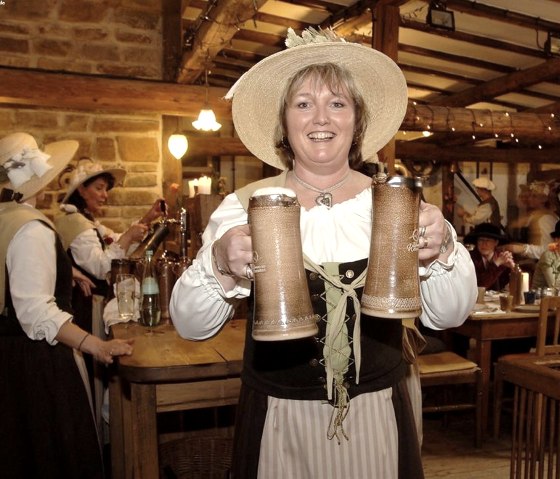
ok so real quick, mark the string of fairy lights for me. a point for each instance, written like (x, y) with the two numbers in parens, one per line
(509, 134)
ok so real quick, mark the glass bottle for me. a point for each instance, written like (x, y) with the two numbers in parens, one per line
(515, 285)
(150, 311)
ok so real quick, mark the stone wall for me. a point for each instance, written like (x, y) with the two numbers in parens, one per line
(120, 38)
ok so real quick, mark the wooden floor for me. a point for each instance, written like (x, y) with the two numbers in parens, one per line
(450, 452)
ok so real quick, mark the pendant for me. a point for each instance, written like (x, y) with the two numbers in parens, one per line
(324, 199)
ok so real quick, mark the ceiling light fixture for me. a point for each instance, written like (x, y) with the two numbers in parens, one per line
(206, 118)
(552, 44)
(440, 17)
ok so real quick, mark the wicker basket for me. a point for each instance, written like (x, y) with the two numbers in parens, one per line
(205, 454)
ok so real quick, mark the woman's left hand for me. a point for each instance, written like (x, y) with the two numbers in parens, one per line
(433, 233)
(158, 209)
(85, 284)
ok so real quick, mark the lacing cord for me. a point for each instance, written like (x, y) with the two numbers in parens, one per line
(335, 326)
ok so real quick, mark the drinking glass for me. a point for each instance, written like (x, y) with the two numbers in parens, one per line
(126, 294)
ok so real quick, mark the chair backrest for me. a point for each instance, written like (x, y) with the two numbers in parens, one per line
(548, 334)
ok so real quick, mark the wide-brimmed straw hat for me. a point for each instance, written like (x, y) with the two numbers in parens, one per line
(256, 95)
(87, 170)
(26, 169)
(486, 230)
(484, 183)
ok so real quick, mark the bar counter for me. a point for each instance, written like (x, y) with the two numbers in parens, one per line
(166, 373)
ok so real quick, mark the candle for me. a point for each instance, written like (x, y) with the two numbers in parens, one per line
(193, 185)
(204, 185)
(524, 284)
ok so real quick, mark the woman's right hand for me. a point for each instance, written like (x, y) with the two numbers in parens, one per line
(105, 351)
(233, 253)
(134, 234)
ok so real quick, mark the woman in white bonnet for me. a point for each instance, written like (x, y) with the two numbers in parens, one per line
(48, 429)
(92, 245)
(316, 111)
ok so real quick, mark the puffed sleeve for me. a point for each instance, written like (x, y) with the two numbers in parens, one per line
(448, 290)
(89, 254)
(199, 305)
(32, 281)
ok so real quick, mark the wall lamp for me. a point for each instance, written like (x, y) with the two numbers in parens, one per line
(552, 44)
(440, 17)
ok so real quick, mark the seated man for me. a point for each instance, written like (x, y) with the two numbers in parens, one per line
(492, 267)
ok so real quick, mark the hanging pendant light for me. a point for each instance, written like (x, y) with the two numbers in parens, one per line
(206, 118)
(178, 145)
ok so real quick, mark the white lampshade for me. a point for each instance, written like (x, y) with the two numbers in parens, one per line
(206, 121)
(178, 145)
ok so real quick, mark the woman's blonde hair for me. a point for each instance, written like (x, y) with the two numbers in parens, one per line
(336, 78)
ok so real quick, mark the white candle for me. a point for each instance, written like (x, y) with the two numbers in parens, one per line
(192, 188)
(524, 284)
(204, 185)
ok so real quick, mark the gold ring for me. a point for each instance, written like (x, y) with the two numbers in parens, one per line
(248, 272)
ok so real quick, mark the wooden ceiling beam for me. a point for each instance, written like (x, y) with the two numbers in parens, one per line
(95, 93)
(41, 89)
(213, 35)
(513, 82)
(405, 150)
(499, 14)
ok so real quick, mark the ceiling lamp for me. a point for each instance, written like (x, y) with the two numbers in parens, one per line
(206, 118)
(552, 44)
(178, 145)
(439, 16)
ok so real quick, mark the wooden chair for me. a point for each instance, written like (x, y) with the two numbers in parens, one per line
(548, 333)
(444, 370)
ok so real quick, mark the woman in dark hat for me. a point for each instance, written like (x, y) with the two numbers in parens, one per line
(547, 271)
(492, 266)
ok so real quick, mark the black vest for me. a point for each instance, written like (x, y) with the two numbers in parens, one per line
(293, 369)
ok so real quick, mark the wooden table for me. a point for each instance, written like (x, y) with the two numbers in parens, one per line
(486, 328)
(166, 373)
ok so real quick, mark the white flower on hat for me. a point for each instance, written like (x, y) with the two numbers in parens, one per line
(21, 167)
(539, 188)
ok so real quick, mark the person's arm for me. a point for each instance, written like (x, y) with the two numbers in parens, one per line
(448, 289)
(200, 304)
(32, 278)
(31, 263)
(546, 265)
(480, 215)
(88, 253)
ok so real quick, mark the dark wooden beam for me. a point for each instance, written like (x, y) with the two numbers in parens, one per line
(212, 36)
(95, 93)
(512, 82)
(406, 150)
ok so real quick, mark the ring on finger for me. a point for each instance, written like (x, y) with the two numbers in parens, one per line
(422, 231)
(248, 272)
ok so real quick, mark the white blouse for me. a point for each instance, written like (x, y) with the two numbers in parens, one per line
(199, 305)
(32, 281)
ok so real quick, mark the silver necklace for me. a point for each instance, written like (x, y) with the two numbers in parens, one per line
(325, 196)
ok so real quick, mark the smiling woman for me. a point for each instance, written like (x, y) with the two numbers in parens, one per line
(324, 406)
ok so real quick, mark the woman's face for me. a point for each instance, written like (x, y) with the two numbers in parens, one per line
(320, 124)
(95, 194)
